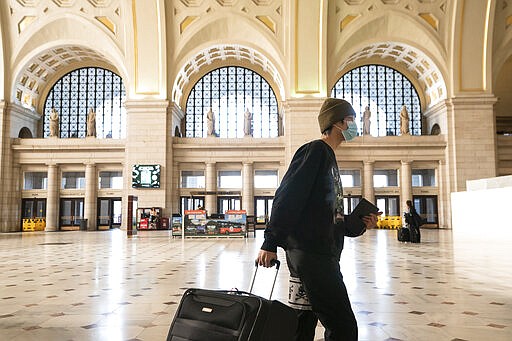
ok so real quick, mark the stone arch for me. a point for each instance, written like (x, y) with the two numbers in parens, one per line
(25, 133)
(37, 66)
(223, 40)
(418, 62)
(224, 55)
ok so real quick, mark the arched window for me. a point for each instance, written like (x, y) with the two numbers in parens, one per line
(82, 90)
(235, 95)
(385, 91)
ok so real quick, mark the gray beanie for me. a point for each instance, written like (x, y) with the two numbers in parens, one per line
(334, 110)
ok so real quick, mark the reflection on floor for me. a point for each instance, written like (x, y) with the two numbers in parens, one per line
(104, 286)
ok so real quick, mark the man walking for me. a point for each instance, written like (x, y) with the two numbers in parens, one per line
(307, 221)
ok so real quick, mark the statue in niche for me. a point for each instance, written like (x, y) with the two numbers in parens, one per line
(54, 123)
(366, 120)
(404, 121)
(177, 132)
(210, 123)
(247, 123)
(91, 123)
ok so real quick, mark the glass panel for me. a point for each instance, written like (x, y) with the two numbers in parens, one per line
(230, 179)
(117, 208)
(260, 211)
(103, 212)
(431, 209)
(79, 210)
(270, 202)
(192, 179)
(423, 177)
(385, 178)
(350, 178)
(393, 206)
(66, 214)
(113, 180)
(381, 204)
(223, 205)
(73, 180)
(35, 180)
(349, 203)
(188, 203)
(28, 209)
(265, 179)
(41, 208)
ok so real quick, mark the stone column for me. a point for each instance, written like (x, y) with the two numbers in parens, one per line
(443, 200)
(405, 185)
(175, 197)
(368, 191)
(91, 196)
(52, 199)
(210, 200)
(248, 188)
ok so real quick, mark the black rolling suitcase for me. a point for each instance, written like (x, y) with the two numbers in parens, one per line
(217, 315)
(415, 235)
(403, 234)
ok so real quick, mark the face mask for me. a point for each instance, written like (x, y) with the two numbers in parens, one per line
(351, 131)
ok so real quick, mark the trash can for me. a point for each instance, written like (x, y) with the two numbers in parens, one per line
(83, 225)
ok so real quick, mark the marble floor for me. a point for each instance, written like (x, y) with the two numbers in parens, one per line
(104, 286)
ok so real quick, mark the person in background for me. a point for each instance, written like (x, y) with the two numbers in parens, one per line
(307, 221)
(414, 220)
(153, 217)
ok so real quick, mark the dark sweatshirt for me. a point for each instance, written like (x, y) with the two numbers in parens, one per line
(305, 205)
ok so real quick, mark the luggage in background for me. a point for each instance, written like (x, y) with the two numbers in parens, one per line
(403, 234)
(217, 315)
(415, 235)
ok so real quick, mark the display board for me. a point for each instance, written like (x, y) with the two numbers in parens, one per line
(146, 176)
(196, 223)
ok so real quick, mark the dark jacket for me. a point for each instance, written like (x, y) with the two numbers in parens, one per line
(305, 204)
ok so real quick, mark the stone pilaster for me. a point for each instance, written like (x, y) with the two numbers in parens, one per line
(175, 193)
(368, 191)
(147, 129)
(210, 200)
(248, 188)
(7, 176)
(91, 196)
(471, 150)
(300, 123)
(405, 184)
(52, 198)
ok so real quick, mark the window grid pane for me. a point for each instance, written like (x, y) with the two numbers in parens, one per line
(229, 92)
(84, 89)
(385, 91)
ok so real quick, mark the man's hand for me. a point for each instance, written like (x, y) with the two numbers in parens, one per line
(370, 221)
(265, 258)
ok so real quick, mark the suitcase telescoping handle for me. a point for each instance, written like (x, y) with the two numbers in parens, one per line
(275, 262)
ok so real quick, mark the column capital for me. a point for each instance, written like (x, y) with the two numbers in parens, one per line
(406, 162)
(52, 164)
(89, 163)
